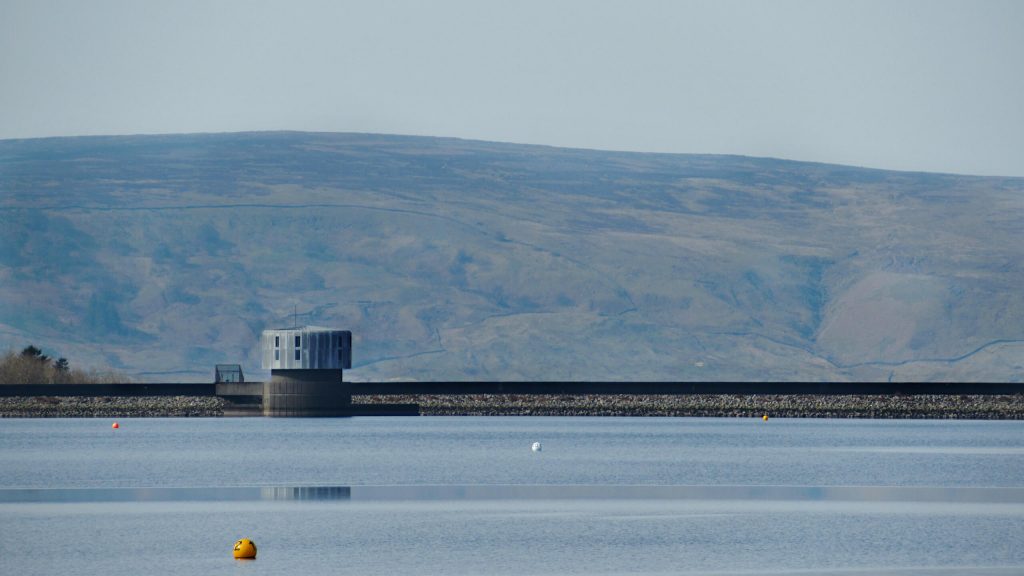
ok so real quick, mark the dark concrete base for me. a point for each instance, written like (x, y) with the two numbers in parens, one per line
(307, 393)
(239, 411)
(385, 409)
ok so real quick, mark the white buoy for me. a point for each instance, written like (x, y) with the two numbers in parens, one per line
(536, 447)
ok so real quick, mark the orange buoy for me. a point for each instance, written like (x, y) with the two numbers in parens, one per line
(765, 417)
(115, 425)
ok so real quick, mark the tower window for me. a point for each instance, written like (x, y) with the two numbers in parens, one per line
(298, 341)
(277, 354)
(277, 341)
(298, 354)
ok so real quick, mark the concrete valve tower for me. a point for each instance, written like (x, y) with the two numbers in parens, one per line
(306, 366)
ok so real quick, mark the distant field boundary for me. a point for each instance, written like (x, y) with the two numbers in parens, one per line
(539, 388)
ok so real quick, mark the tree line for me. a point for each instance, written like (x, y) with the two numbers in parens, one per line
(31, 366)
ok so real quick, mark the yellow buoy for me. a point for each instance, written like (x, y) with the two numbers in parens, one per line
(245, 549)
(765, 417)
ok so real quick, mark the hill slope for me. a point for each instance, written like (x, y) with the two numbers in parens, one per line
(452, 259)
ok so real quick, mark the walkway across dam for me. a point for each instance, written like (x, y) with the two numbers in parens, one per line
(253, 389)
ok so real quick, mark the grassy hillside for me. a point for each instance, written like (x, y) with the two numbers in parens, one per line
(450, 259)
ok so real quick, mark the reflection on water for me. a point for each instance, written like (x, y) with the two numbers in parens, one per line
(522, 492)
(305, 493)
(800, 493)
(203, 494)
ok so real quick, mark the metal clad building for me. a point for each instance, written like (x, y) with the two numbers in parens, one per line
(306, 366)
(306, 348)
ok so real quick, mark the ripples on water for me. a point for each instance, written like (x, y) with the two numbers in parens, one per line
(468, 496)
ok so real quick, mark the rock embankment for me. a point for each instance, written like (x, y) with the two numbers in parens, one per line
(110, 406)
(789, 406)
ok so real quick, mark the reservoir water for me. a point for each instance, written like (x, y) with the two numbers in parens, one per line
(467, 495)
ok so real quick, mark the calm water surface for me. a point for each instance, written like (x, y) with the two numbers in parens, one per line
(467, 495)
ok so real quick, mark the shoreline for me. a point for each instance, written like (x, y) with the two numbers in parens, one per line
(111, 406)
(961, 407)
(974, 407)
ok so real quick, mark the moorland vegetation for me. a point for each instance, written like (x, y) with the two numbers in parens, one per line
(464, 260)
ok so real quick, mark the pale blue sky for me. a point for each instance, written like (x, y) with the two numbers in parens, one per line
(915, 85)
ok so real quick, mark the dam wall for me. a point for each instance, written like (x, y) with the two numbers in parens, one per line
(239, 390)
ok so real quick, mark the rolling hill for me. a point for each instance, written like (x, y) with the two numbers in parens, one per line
(458, 260)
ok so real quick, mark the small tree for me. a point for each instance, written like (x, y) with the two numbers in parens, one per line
(32, 352)
(61, 365)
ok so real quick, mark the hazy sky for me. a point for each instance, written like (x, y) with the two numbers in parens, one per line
(928, 85)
